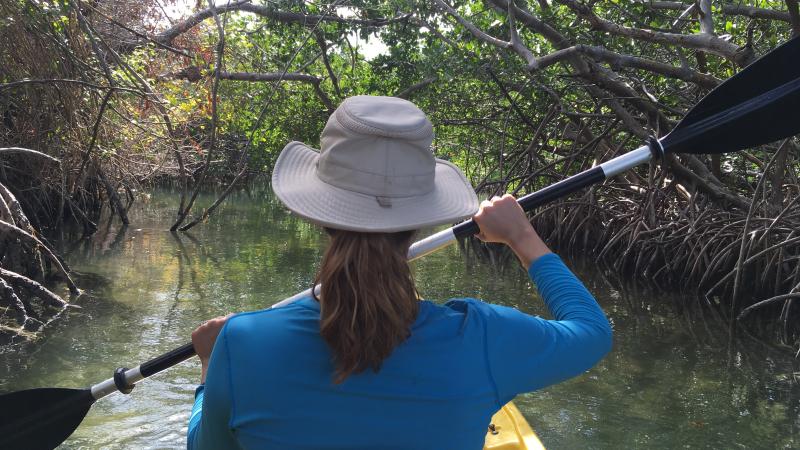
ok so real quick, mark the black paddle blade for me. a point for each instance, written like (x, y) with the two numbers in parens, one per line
(758, 105)
(41, 419)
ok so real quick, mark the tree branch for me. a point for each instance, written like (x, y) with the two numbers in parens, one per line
(28, 151)
(475, 31)
(794, 16)
(220, 50)
(272, 76)
(7, 227)
(510, 99)
(14, 301)
(516, 43)
(726, 9)
(705, 180)
(113, 198)
(558, 40)
(603, 54)
(405, 93)
(5, 211)
(269, 76)
(275, 76)
(706, 21)
(12, 84)
(741, 56)
(307, 20)
(608, 80)
(34, 287)
(95, 131)
(207, 212)
(324, 48)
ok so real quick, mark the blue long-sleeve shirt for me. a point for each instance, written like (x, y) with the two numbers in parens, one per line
(269, 382)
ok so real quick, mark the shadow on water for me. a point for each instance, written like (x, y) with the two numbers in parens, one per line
(669, 382)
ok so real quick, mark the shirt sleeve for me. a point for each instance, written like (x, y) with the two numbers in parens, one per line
(526, 353)
(209, 423)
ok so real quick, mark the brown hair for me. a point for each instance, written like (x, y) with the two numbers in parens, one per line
(368, 301)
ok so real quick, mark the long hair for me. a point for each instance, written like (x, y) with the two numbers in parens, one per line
(368, 301)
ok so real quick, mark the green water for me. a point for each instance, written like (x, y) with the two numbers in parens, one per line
(669, 382)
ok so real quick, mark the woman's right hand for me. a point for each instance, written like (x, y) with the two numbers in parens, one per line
(502, 220)
(203, 339)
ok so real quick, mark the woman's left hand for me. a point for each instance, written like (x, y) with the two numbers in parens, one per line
(203, 338)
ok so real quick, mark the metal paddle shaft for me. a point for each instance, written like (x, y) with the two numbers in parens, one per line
(756, 106)
(125, 378)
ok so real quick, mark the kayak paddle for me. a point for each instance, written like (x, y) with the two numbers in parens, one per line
(756, 106)
(41, 419)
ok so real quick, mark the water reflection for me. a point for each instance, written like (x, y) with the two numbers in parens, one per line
(670, 381)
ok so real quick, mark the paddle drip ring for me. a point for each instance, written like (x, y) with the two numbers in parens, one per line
(119, 381)
(655, 147)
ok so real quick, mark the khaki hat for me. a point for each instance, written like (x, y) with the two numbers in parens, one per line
(375, 172)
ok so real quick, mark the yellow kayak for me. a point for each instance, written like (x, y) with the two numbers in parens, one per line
(510, 431)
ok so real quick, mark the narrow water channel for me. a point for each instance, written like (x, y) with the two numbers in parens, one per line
(669, 383)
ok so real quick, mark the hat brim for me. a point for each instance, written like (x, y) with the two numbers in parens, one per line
(296, 184)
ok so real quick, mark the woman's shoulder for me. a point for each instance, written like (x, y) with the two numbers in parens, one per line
(469, 304)
(482, 311)
(263, 320)
(465, 308)
(460, 316)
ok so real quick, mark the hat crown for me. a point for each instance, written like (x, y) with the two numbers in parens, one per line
(384, 116)
(378, 146)
(374, 172)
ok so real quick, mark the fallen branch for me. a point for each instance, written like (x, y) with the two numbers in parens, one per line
(7, 292)
(34, 287)
(28, 151)
(7, 227)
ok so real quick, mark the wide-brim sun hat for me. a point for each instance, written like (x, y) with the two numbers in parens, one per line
(374, 172)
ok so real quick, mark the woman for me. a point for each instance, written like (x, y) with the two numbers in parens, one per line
(366, 364)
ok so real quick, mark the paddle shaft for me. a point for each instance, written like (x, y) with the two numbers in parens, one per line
(417, 250)
(146, 369)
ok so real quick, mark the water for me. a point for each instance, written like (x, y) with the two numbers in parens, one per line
(670, 382)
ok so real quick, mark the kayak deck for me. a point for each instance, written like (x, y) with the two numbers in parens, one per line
(510, 431)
